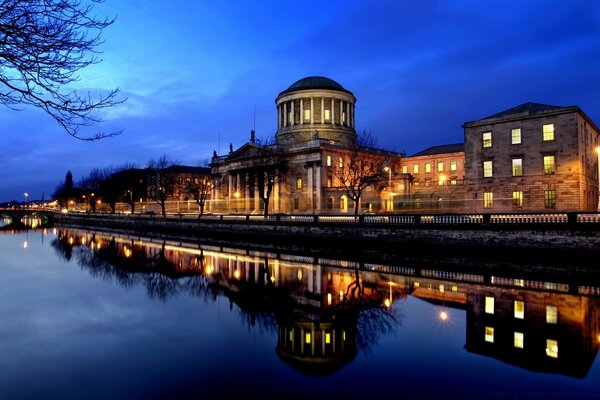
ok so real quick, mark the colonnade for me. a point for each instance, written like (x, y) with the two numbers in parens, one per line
(287, 116)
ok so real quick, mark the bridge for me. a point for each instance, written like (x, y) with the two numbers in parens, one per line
(24, 218)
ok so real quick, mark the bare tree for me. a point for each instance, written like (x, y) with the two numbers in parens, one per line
(43, 45)
(161, 180)
(269, 167)
(200, 189)
(89, 187)
(360, 170)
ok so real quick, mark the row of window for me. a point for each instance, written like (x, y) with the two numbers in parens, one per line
(515, 135)
(517, 199)
(440, 167)
(548, 166)
(329, 161)
(519, 341)
(519, 310)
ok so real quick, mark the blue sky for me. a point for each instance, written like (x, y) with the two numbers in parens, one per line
(195, 71)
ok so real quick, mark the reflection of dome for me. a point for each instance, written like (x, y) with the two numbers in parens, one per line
(314, 82)
(317, 348)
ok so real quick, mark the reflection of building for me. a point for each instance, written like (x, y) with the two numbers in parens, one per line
(532, 157)
(315, 139)
(539, 331)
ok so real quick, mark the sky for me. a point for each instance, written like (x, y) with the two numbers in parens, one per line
(200, 75)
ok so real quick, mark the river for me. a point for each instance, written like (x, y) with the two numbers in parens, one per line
(101, 315)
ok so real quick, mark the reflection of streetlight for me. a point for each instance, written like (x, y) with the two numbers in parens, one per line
(442, 180)
(443, 315)
(598, 152)
(389, 171)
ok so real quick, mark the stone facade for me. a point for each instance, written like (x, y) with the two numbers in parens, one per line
(532, 157)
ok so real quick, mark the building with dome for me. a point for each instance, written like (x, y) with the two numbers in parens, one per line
(302, 170)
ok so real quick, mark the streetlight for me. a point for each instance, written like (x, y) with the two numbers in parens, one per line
(26, 197)
(389, 171)
(598, 152)
(442, 179)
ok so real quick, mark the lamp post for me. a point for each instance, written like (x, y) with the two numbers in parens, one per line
(391, 201)
(26, 198)
(598, 152)
(442, 180)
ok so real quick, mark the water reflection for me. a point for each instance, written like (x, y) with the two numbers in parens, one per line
(325, 311)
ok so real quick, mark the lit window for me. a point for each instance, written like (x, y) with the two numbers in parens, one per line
(416, 169)
(306, 115)
(442, 289)
(329, 161)
(452, 165)
(417, 284)
(515, 136)
(441, 182)
(329, 299)
(550, 198)
(517, 199)
(440, 167)
(548, 132)
(489, 305)
(552, 348)
(489, 334)
(487, 139)
(328, 338)
(428, 167)
(291, 336)
(519, 309)
(549, 166)
(453, 181)
(405, 169)
(454, 289)
(517, 167)
(341, 162)
(307, 338)
(487, 169)
(518, 340)
(299, 183)
(428, 182)
(551, 315)
(488, 199)
(327, 115)
(329, 183)
(299, 274)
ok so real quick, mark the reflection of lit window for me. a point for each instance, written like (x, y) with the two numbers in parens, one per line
(417, 284)
(299, 274)
(344, 336)
(518, 340)
(489, 305)
(307, 338)
(551, 315)
(454, 288)
(489, 334)
(441, 287)
(328, 298)
(552, 348)
(291, 336)
(328, 338)
(519, 309)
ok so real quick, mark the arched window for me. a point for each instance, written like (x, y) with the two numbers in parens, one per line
(299, 183)
(343, 203)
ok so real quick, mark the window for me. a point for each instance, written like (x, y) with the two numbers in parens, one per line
(517, 199)
(517, 167)
(551, 315)
(343, 117)
(487, 169)
(487, 139)
(341, 162)
(428, 168)
(306, 115)
(548, 132)
(515, 136)
(552, 348)
(550, 198)
(488, 199)
(518, 340)
(329, 161)
(453, 181)
(489, 305)
(549, 165)
(307, 338)
(416, 169)
(519, 309)
(299, 183)
(327, 115)
(452, 165)
(489, 334)
(329, 181)
(327, 338)
(440, 167)
(405, 169)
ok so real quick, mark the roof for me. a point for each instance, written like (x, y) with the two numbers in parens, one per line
(442, 149)
(314, 82)
(525, 110)
(185, 169)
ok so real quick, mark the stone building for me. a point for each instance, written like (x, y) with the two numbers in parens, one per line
(300, 171)
(532, 157)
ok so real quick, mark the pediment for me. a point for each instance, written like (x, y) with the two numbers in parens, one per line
(248, 150)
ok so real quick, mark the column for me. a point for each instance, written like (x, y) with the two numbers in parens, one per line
(309, 187)
(310, 281)
(279, 117)
(238, 186)
(256, 198)
(312, 110)
(247, 193)
(322, 110)
(230, 193)
(318, 187)
(332, 113)
(319, 278)
(352, 108)
(341, 112)
(285, 121)
(347, 114)
(301, 111)
(276, 195)
(293, 112)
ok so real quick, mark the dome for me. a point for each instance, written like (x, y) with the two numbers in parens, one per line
(314, 82)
